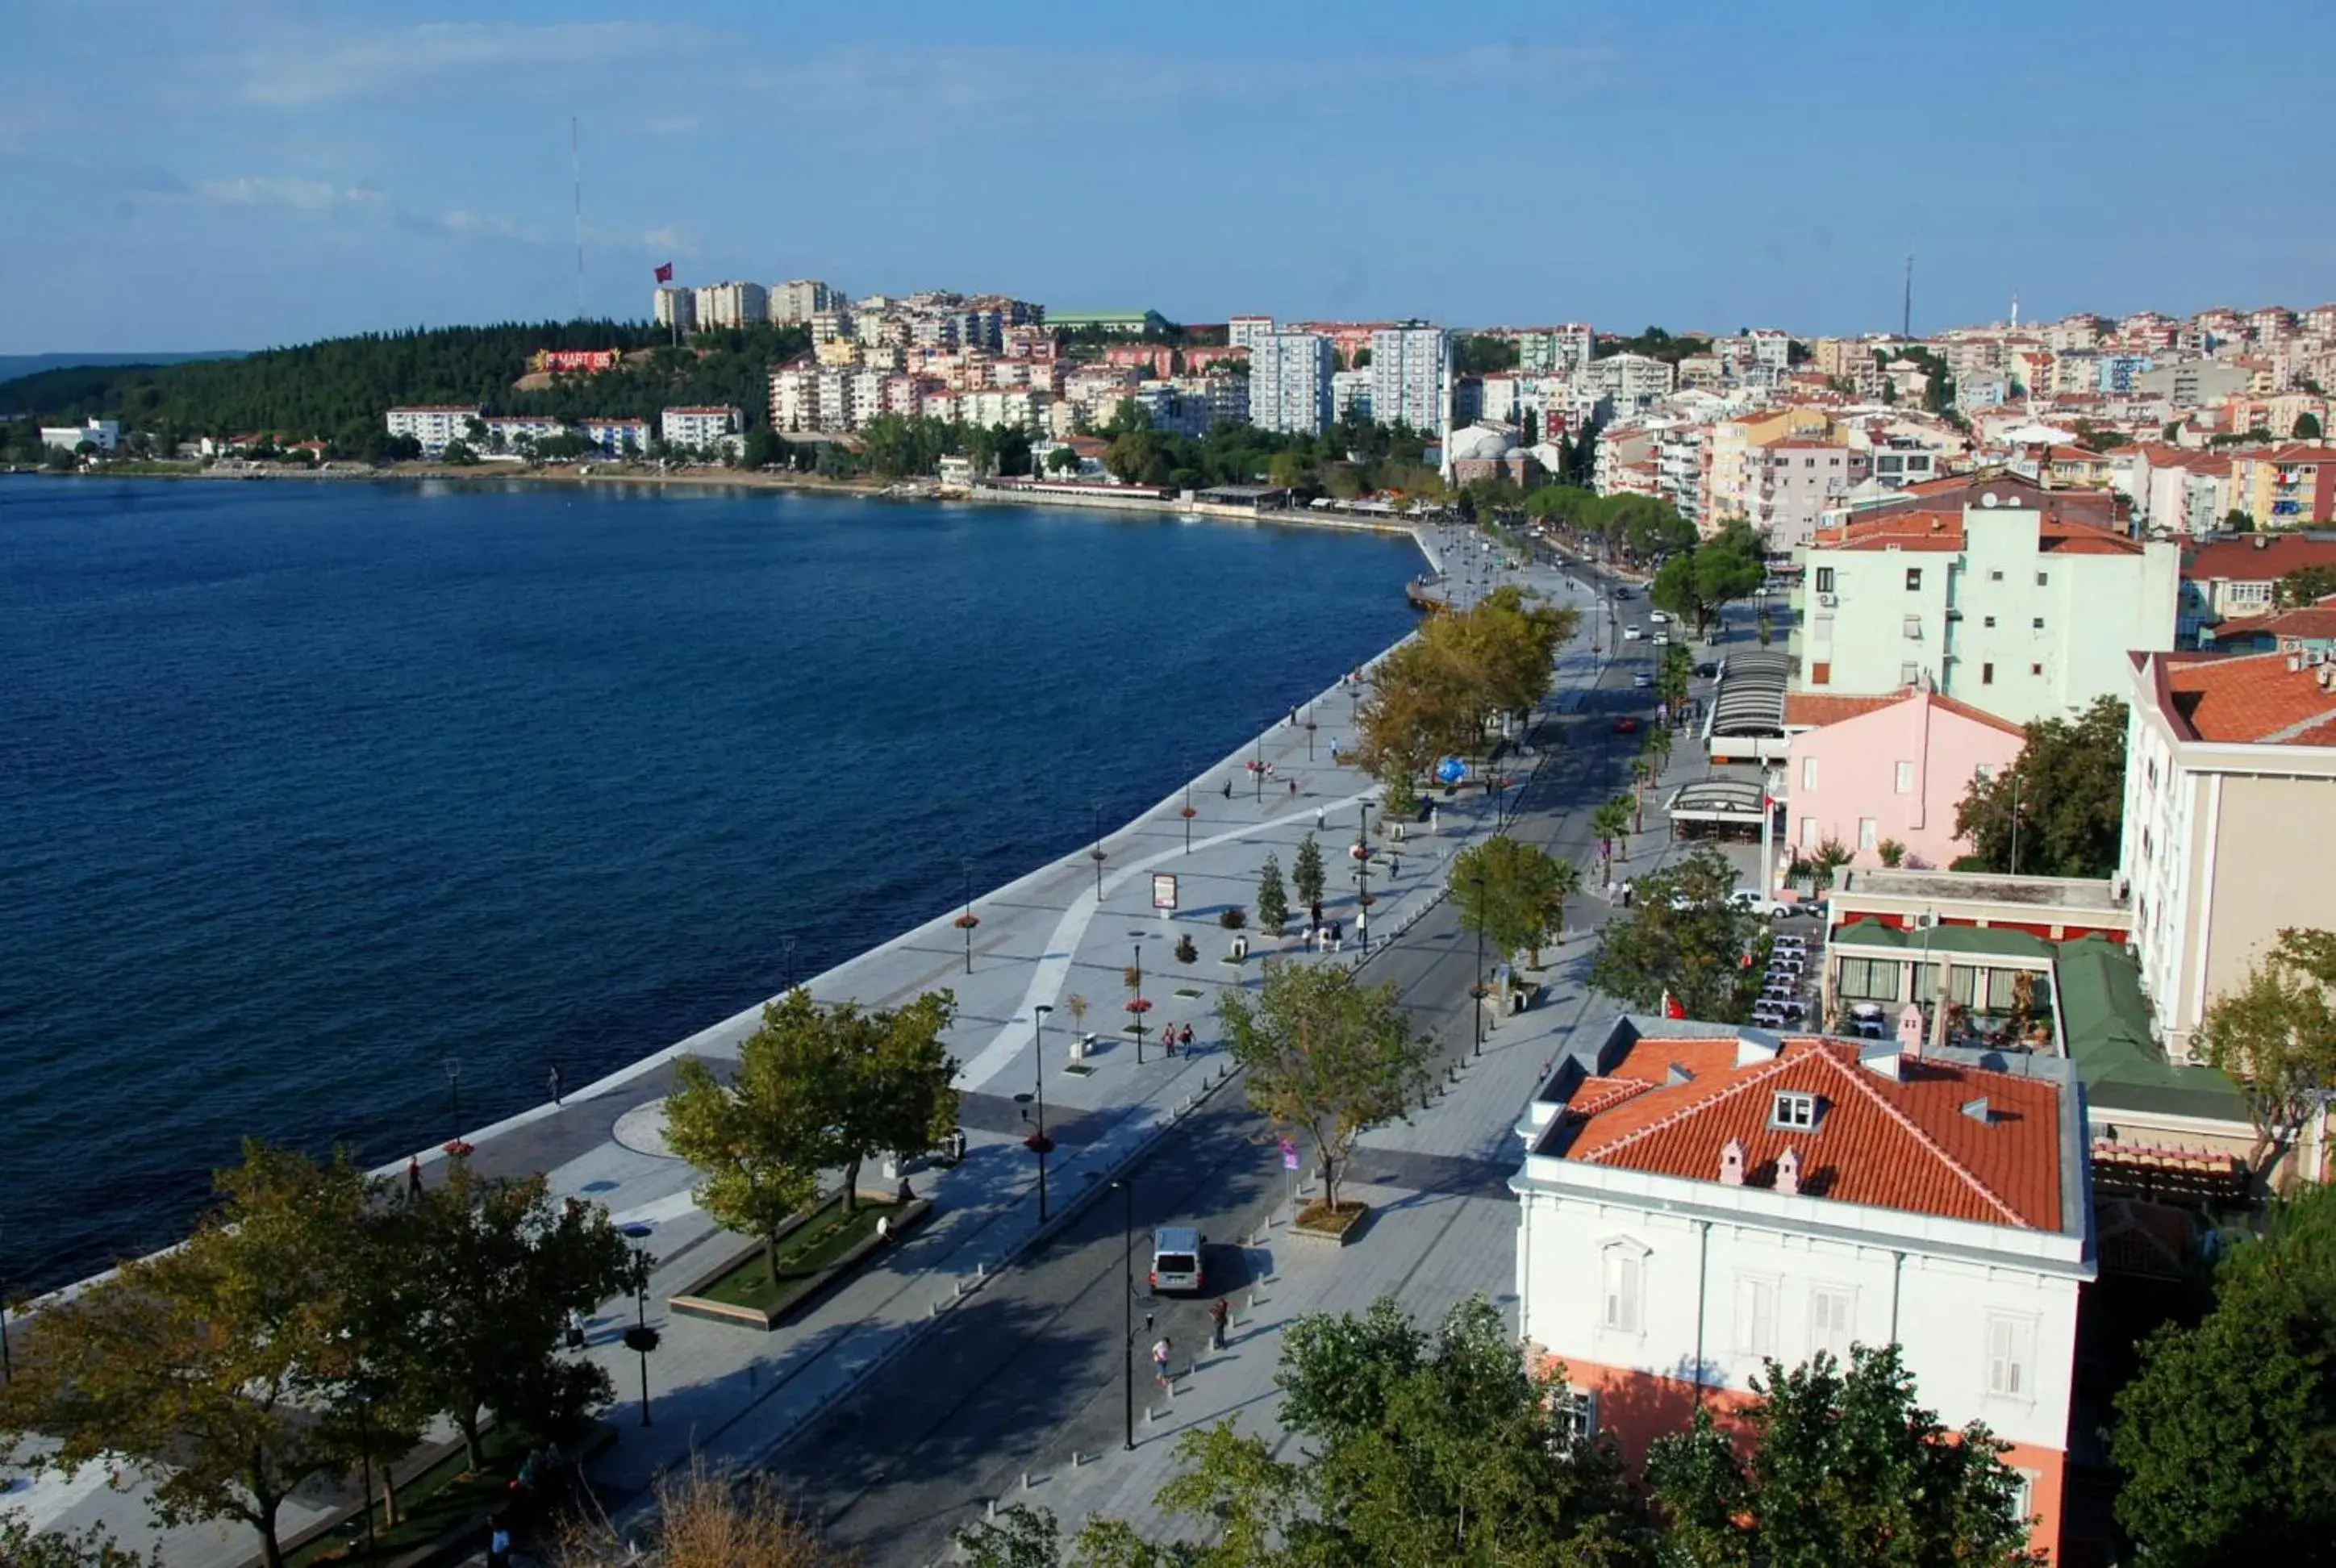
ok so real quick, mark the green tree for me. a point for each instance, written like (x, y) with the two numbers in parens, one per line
(484, 1274)
(2275, 1038)
(22, 1546)
(2224, 1433)
(1610, 823)
(2063, 799)
(195, 1368)
(1288, 471)
(1843, 1467)
(2306, 427)
(1272, 901)
(1063, 460)
(1512, 892)
(2304, 586)
(1683, 937)
(1306, 871)
(1831, 856)
(458, 454)
(1325, 1054)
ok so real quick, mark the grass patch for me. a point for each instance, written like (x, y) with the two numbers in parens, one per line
(1079, 1069)
(1321, 1217)
(1187, 991)
(438, 1500)
(817, 1244)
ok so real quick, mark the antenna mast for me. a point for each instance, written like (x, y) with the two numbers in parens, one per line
(1906, 316)
(576, 168)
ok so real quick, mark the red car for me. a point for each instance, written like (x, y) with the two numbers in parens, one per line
(1626, 724)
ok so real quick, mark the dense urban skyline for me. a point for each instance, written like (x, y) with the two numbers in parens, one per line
(245, 174)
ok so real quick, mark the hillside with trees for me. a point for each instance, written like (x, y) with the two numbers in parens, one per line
(338, 390)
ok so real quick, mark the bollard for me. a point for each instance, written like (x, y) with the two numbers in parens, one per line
(979, 1269)
(1253, 1303)
(1078, 1459)
(993, 1508)
(1150, 1412)
(1026, 1480)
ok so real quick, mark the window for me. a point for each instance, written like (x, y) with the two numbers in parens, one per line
(2043, 580)
(1824, 579)
(1793, 1111)
(1913, 579)
(1621, 1311)
(1755, 1317)
(1988, 621)
(1995, 576)
(1986, 678)
(1808, 832)
(2036, 624)
(1808, 772)
(1865, 834)
(1908, 674)
(1821, 674)
(2010, 1358)
(2023, 1494)
(1808, 462)
(1905, 781)
(1830, 1307)
(1869, 980)
(1984, 772)
(2035, 669)
(1575, 1414)
(1913, 626)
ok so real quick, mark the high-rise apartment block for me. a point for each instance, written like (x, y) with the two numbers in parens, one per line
(1411, 378)
(1554, 350)
(803, 298)
(733, 304)
(1290, 382)
(676, 308)
(1243, 331)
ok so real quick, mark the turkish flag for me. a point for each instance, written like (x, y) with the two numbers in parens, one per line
(1671, 1008)
(665, 272)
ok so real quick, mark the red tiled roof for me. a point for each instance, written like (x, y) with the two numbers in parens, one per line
(1928, 530)
(1908, 1145)
(2312, 620)
(1814, 710)
(2258, 558)
(2244, 699)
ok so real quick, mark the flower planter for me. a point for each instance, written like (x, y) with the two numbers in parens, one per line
(1317, 1226)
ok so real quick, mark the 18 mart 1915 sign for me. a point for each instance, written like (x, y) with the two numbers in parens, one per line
(1164, 889)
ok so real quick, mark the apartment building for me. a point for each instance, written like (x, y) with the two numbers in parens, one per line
(2229, 768)
(1790, 483)
(2005, 603)
(1290, 382)
(1350, 395)
(1695, 1201)
(676, 307)
(1411, 378)
(105, 434)
(2291, 486)
(507, 431)
(1246, 331)
(615, 437)
(802, 298)
(1864, 771)
(1633, 381)
(1725, 481)
(434, 425)
(1563, 350)
(2193, 382)
(2237, 577)
(733, 304)
(700, 427)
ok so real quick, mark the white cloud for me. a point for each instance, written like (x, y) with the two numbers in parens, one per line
(670, 242)
(489, 226)
(307, 71)
(286, 191)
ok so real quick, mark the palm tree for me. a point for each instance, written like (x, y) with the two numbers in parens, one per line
(1640, 770)
(1657, 744)
(1611, 821)
(1564, 881)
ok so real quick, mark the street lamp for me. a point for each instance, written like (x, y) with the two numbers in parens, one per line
(1257, 768)
(968, 921)
(1127, 1242)
(640, 1338)
(454, 1087)
(7, 1367)
(1477, 991)
(1096, 855)
(1363, 863)
(1039, 1142)
(1135, 1007)
(787, 945)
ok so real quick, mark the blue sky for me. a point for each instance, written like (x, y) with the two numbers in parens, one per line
(199, 175)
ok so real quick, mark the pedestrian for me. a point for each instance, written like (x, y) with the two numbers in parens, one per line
(1395, 866)
(1435, 820)
(1168, 1039)
(1293, 789)
(1228, 789)
(1291, 722)
(1628, 889)
(555, 1082)
(1314, 915)
(1160, 1365)
(1216, 1316)
(414, 1176)
(1187, 1040)
(575, 1329)
(498, 1545)
(1317, 819)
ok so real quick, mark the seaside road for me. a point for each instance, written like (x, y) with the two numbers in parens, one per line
(1031, 1373)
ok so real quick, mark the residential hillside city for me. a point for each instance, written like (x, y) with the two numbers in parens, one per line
(1996, 674)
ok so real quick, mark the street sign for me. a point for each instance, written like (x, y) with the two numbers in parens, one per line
(1164, 889)
(1288, 1154)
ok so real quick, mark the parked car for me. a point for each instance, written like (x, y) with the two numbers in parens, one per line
(1752, 901)
(1642, 679)
(1659, 618)
(1708, 670)
(1631, 634)
(1626, 724)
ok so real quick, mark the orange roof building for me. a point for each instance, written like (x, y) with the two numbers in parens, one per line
(1697, 1200)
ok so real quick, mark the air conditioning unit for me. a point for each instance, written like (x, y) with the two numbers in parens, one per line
(1828, 601)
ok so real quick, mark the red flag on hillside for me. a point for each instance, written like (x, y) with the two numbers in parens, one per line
(665, 272)
(1671, 1008)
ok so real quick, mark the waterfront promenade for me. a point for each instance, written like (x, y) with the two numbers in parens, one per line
(1041, 939)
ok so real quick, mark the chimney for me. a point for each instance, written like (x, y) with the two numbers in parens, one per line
(1731, 1163)
(1788, 1170)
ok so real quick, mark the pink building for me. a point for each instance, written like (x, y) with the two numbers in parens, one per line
(1869, 770)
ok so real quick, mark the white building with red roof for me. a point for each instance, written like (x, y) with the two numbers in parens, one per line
(1698, 1199)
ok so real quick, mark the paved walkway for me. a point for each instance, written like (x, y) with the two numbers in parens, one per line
(1044, 939)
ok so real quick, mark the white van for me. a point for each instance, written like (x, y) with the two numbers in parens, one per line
(1176, 1260)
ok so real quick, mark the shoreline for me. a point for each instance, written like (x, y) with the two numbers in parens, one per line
(745, 1020)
